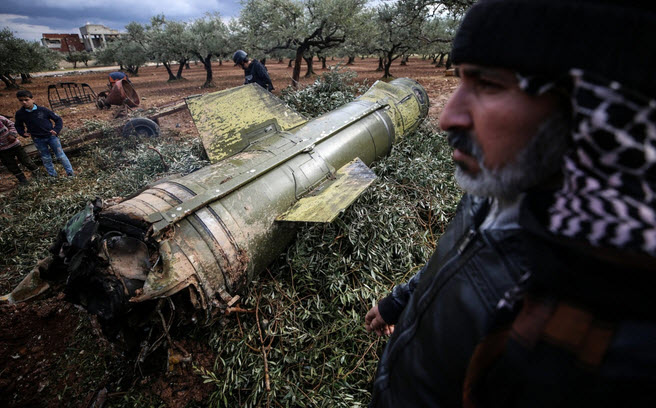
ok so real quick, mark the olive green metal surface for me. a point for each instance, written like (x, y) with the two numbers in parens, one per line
(332, 197)
(228, 121)
(218, 226)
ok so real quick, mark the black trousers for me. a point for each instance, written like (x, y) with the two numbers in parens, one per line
(9, 156)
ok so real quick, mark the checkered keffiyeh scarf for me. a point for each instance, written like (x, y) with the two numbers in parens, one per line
(608, 197)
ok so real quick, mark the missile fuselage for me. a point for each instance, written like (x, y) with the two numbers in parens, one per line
(208, 232)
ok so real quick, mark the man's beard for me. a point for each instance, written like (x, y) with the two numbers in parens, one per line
(540, 159)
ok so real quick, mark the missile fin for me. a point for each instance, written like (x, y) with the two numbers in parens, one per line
(229, 121)
(333, 196)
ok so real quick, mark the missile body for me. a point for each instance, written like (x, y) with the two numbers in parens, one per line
(198, 239)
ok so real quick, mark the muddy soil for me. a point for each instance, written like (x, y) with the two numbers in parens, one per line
(51, 353)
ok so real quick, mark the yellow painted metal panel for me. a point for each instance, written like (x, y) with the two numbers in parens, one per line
(405, 110)
(228, 121)
(331, 198)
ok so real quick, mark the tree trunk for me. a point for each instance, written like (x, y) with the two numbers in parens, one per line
(263, 61)
(441, 61)
(296, 74)
(167, 65)
(180, 67)
(86, 63)
(448, 61)
(74, 64)
(10, 83)
(187, 64)
(351, 59)
(26, 79)
(290, 63)
(323, 62)
(310, 70)
(207, 63)
(386, 66)
(380, 64)
(280, 60)
(402, 60)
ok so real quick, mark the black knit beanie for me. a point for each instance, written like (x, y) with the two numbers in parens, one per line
(615, 39)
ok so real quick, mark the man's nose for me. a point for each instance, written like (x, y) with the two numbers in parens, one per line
(455, 114)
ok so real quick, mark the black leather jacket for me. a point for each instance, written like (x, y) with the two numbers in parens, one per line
(425, 360)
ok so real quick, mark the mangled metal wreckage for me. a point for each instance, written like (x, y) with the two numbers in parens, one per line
(198, 239)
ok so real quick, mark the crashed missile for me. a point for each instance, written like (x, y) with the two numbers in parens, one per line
(198, 240)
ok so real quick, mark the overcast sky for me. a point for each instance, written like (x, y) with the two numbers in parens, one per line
(28, 19)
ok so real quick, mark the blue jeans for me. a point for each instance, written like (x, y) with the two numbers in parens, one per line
(42, 144)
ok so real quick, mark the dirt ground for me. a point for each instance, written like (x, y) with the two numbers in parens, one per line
(51, 352)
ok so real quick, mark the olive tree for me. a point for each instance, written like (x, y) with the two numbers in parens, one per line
(361, 40)
(168, 42)
(398, 26)
(208, 37)
(437, 35)
(77, 56)
(130, 52)
(303, 26)
(21, 57)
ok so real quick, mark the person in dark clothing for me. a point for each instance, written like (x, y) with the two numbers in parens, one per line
(559, 283)
(442, 312)
(43, 125)
(254, 71)
(11, 149)
(117, 76)
(580, 329)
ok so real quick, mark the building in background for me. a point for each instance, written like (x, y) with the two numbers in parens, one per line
(62, 42)
(97, 36)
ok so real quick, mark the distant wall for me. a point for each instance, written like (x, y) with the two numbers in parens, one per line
(62, 42)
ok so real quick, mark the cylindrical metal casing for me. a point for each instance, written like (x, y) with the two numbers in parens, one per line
(218, 247)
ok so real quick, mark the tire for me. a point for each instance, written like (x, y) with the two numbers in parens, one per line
(141, 127)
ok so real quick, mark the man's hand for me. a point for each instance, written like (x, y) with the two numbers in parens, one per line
(373, 321)
(11, 138)
(27, 134)
(52, 132)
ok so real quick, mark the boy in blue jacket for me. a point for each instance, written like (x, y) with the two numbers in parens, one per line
(39, 122)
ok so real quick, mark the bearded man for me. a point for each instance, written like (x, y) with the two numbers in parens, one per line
(555, 151)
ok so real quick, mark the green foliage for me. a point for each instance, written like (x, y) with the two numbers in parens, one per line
(127, 53)
(304, 26)
(77, 56)
(31, 215)
(130, 51)
(168, 41)
(208, 38)
(23, 57)
(312, 301)
(333, 89)
(106, 55)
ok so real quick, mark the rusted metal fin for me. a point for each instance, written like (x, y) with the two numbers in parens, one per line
(333, 196)
(229, 121)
